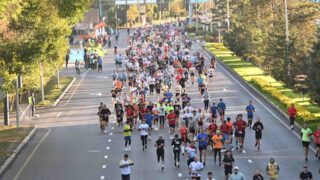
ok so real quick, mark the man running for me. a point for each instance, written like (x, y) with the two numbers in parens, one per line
(292, 112)
(176, 144)
(104, 114)
(258, 128)
(172, 118)
(240, 131)
(221, 109)
(217, 146)
(306, 133)
(272, 169)
(316, 136)
(202, 139)
(237, 175)
(125, 167)
(144, 129)
(228, 162)
(160, 151)
(195, 168)
(250, 110)
(127, 136)
(191, 152)
(213, 111)
(119, 113)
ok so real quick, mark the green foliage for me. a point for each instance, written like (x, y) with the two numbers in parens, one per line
(34, 32)
(314, 73)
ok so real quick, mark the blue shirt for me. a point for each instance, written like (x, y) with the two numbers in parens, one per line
(149, 118)
(214, 110)
(222, 106)
(204, 137)
(250, 109)
(200, 81)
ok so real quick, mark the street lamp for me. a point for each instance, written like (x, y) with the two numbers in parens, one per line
(287, 39)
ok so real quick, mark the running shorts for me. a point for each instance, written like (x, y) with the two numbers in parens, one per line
(172, 125)
(305, 143)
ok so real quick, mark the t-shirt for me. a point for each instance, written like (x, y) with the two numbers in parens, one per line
(238, 176)
(183, 131)
(149, 118)
(221, 106)
(196, 167)
(224, 128)
(227, 159)
(306, 175)
(171, 118)
(316, 136)
(160, 144)
(125, 166)
(212, 129)
(257, 177)
(213, 110)
(217, 141)
(202, 138)
(306, 133)
(127, 130)
(250, 109)
(241, 126)
(191, 151)
(143, 129)
(176, 143)
(177, 107)
(258, 127)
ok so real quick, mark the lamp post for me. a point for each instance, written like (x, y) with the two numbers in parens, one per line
(287, 41)
(228, 14)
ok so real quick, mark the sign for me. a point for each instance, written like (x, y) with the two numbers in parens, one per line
(131, 2)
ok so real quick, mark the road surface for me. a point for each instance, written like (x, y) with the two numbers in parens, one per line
(68, 143)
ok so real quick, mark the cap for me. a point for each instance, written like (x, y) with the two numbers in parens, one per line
(236, 168)
(305, 166)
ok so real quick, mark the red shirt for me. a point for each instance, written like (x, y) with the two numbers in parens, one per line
(183, 131)
(172, 118)
(241, 125)
(224, 128)
(292, 112)
(178, 77)
(180, 71)
(129, 112)
(189, 64)
(316, 136)
(212, 128)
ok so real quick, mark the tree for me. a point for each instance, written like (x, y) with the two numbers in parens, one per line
(132, 13)
(314, 73)
(177, 8)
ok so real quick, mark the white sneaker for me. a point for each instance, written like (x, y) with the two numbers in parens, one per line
(129, 148)
(125, 149)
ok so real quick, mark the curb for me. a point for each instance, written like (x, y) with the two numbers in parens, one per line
(64, 93)
(16, 151)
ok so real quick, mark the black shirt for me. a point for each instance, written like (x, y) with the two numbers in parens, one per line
(227, 159)
(306, 175)
(258, 126)
(177, 107)
(160, 144)
(258, 177)
(176, 143)
(158, 86)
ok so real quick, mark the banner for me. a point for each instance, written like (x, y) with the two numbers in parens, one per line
(131, 2)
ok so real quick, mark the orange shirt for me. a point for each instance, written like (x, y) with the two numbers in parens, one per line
(118, 85)
(217, 140)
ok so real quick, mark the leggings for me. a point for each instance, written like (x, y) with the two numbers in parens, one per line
(160, 154)
(176, 154)
(206, 104)
(127, 141)
(144, 140)
(161, 120)
(217, 151)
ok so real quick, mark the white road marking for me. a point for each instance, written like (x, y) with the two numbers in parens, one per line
(102, 77)
(111, 134)
(244, 151)
(104, 166)
(112, 127)
(107, 148)
(59, 114)
(249, 160)
(101, 177)
(179, 174)
(94, 151)
(109, 140)
(274, 115)
(31, 155)
(95, 94)
(74, 91)
(106, 157)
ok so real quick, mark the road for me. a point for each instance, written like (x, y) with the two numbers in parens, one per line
(68, 144)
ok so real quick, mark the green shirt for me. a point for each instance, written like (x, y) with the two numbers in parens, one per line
(127, 130)
(306, 133)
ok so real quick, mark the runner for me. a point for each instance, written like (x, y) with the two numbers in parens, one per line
(206, 98)
(221, 109)
(119, 113)
(125, 167)
(127, 136)
(144, 129)
(191, 152)
(184, 137)
(104, 114)
(176, 144)
(217, 146)
(250, 110)
(195, 168)
(202, 138)
(272, 169)
(292, 112)
(240, 131)
(160, 151)
(316, 136)
(305, 138)
(172, 118)
(213, 111)
(228, 162)
(149, 120)
(258, 128)
(258, 175)
(237, 175)
(306, 174)
(100, 117)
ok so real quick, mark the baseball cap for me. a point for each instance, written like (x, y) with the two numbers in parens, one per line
(236, 168)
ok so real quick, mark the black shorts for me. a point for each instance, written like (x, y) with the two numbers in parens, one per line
(305, 143)
(258, 135)
(240, 135)
(192, 130)
(172, 125)
(158, 91)
(213, 116)
(227, 170)
(318, 145)
(221, 113)
(202, 148)
(177, 94)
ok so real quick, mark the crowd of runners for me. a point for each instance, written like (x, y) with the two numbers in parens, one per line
(151, 93)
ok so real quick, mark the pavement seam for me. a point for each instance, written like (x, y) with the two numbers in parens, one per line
(16, 151)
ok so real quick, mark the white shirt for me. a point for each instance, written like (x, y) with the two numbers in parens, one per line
(196, 167)
(143, 129)
(127, 169)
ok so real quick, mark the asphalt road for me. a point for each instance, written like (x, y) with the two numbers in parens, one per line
(68, 143)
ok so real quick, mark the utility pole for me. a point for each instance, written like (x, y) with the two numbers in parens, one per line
(228, 15)
(41, 83)
(127, 14)
(6, 109)
(17, 102)
(100, 10)
(287, 40)
(197, 18)
(115, 13)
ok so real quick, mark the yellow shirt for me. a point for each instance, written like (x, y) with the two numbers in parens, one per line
(127, 130)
